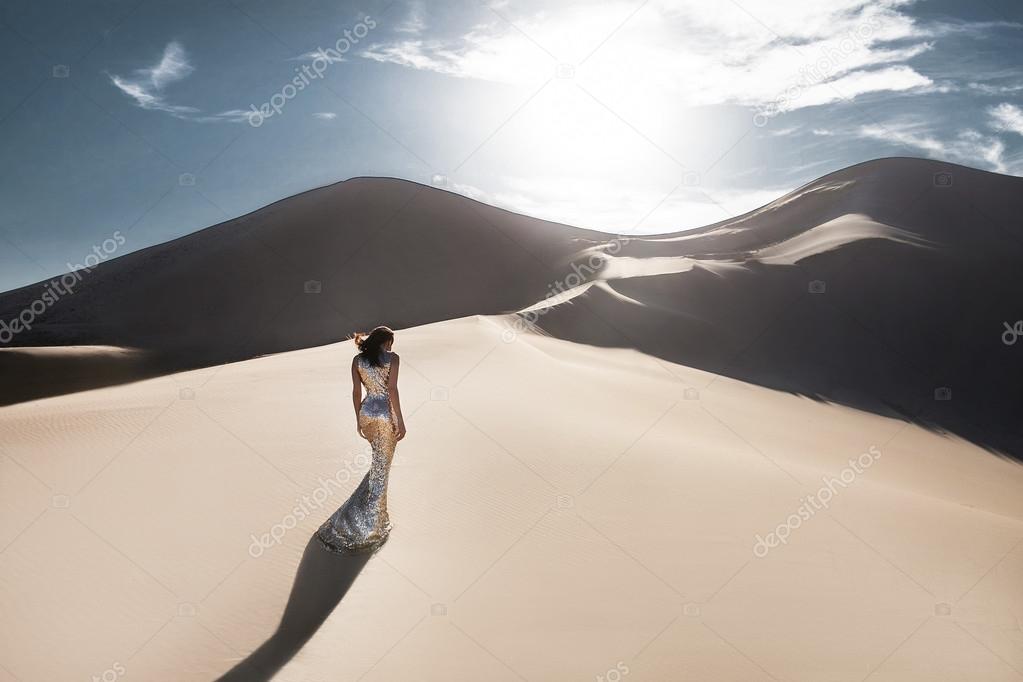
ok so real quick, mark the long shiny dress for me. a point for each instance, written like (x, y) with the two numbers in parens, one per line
(362, 522)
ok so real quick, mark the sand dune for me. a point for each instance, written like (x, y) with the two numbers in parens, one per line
(609, 524)
(832, 235)
(820, 239)
(628, 456)
(309, 270)
(878, 286)
(873, 287)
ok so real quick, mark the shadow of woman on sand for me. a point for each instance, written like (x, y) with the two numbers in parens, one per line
(322, 580)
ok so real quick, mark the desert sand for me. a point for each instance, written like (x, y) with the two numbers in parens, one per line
(781, 447)
(561, 512)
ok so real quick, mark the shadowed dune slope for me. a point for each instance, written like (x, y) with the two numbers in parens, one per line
(880, 286)
(305, 271)
(369, 247)
(883, 286)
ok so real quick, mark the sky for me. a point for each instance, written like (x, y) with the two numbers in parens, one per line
(153, 119)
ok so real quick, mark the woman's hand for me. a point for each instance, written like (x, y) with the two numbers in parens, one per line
(399, 430)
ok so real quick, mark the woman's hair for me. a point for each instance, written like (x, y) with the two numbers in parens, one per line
(371, 345)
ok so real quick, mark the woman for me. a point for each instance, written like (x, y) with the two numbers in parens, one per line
(361, 523)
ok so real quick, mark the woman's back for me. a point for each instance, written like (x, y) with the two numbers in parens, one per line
(374, 377)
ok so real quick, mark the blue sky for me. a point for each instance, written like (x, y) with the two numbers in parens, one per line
(137, 117)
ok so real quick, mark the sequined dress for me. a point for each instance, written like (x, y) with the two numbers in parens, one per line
(362, 522)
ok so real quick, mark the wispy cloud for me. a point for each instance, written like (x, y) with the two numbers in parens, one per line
(1007, 118)
(415, 21)
(785, 132)
(852, 85)
(325, 115)
(966, 146)
(146, 87)
(172, 67)
(229, 116)
(755, 55)
(480, 54)
(317, 54)
(989, 89)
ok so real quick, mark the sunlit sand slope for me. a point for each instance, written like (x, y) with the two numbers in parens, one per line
(561, 512)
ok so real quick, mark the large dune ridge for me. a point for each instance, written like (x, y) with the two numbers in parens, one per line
(759, 450)
(884, 286)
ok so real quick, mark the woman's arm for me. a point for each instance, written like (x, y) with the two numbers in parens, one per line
(357, 393)
(392, 392)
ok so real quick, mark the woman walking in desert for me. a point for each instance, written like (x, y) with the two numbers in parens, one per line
(362, 522)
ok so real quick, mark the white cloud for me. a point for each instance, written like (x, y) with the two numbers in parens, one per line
(1007, 118)
(603, 147)
(784, 132)
(146, 87)
(492, 56)
(415, 22)
(989, 89)
(333, 56)
(967, 146)
(785, 54)
(852, 85)
(172, 67)
(325, 115)
(229, 116)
